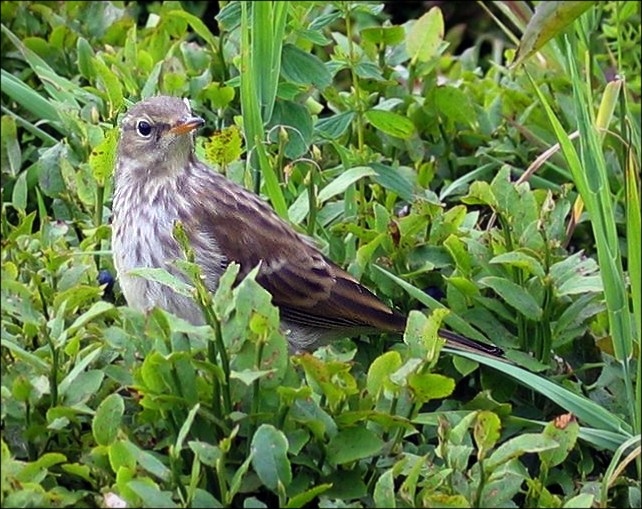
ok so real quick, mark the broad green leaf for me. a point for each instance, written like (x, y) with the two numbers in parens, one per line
(151, 494)
(454, 104)
(425, 36)
(79, 367)
(521, 260)
(384, 490)
(304, 68)
(549, 19)
(121, 456)
(97, 309)
(333, 127)
(85, 58)
(380, 370)
(394, 180)
(301, 499)
(111, 85)
(391, 123)
(149, 462)
(248, 377)
(565, 434)
(486, 432)
(388, 36)
(11, 152)
(518, 446)
(85, 385)
(207, 454)
(293, 123)
(514, 295)
(107, 420)
(199, 27)
(343, 181)
(19, 194)
(103, 157)
(160, 275)
(580, 501)
(353, 444)
(270, 458)
(31, 472)
(428, 386)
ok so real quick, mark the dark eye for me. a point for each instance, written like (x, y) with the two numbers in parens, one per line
(143, 128)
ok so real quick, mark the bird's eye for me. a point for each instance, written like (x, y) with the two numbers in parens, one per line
(143, 128)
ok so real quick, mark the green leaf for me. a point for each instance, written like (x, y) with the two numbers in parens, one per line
(199, 27)
(304, 68)
(84, 387)
(295, 121)
(97, 309)
(384, 490)
(565, 435)
(111, 84)
(149, 462)
(11, 151)
(425, 36)
(454, 104)
(151, 494)
(103, 157)
(248, 376)
(428, 386)
(518, 446)
(343, 181)
(514, 295)
(19, 193)
(32, 471)
(269, 457)
(380, 370)
(107, 420)
(389, 36)
(353, 444)
(86, 57)
(394, 180)
(486, 432)
(333, 127)
(307, 496)
(207, 454)
(391, 123)
(521, 260)
(160, 275)
(121, 456)
(549, 19)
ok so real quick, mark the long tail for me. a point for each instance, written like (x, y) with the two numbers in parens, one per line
(470, 345)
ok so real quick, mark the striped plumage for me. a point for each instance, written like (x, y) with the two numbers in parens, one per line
(159, 180)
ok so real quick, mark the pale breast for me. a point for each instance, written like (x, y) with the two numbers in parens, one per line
(142, 227)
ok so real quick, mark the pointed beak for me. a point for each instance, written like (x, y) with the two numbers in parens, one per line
(187, 125)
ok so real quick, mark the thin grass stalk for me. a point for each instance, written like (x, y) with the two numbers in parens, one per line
(259, 46)
(250, 109)
(608, 247)
(589, 174)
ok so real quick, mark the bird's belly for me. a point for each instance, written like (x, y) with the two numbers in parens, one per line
(142, 243)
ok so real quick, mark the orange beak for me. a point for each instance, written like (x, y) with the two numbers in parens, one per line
(187, 125)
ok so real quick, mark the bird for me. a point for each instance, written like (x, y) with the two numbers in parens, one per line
(158, 180)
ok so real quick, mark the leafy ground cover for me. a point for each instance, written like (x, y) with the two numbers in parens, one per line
(492, 191)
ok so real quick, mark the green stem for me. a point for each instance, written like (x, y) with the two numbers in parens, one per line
(312, 201)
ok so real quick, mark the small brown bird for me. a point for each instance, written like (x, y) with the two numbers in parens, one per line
(158, 180)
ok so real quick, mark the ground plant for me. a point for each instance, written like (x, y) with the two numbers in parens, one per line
(480, 173)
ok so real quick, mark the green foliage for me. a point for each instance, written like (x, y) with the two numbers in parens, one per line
(428, 170)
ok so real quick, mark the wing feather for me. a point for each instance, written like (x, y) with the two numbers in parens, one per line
(307, 287)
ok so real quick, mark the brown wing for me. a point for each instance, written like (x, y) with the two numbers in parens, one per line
(308, 288)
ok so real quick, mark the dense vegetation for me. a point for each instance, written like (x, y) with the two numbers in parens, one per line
(489, 184)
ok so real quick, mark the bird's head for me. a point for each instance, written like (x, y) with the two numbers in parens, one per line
(156, 138)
